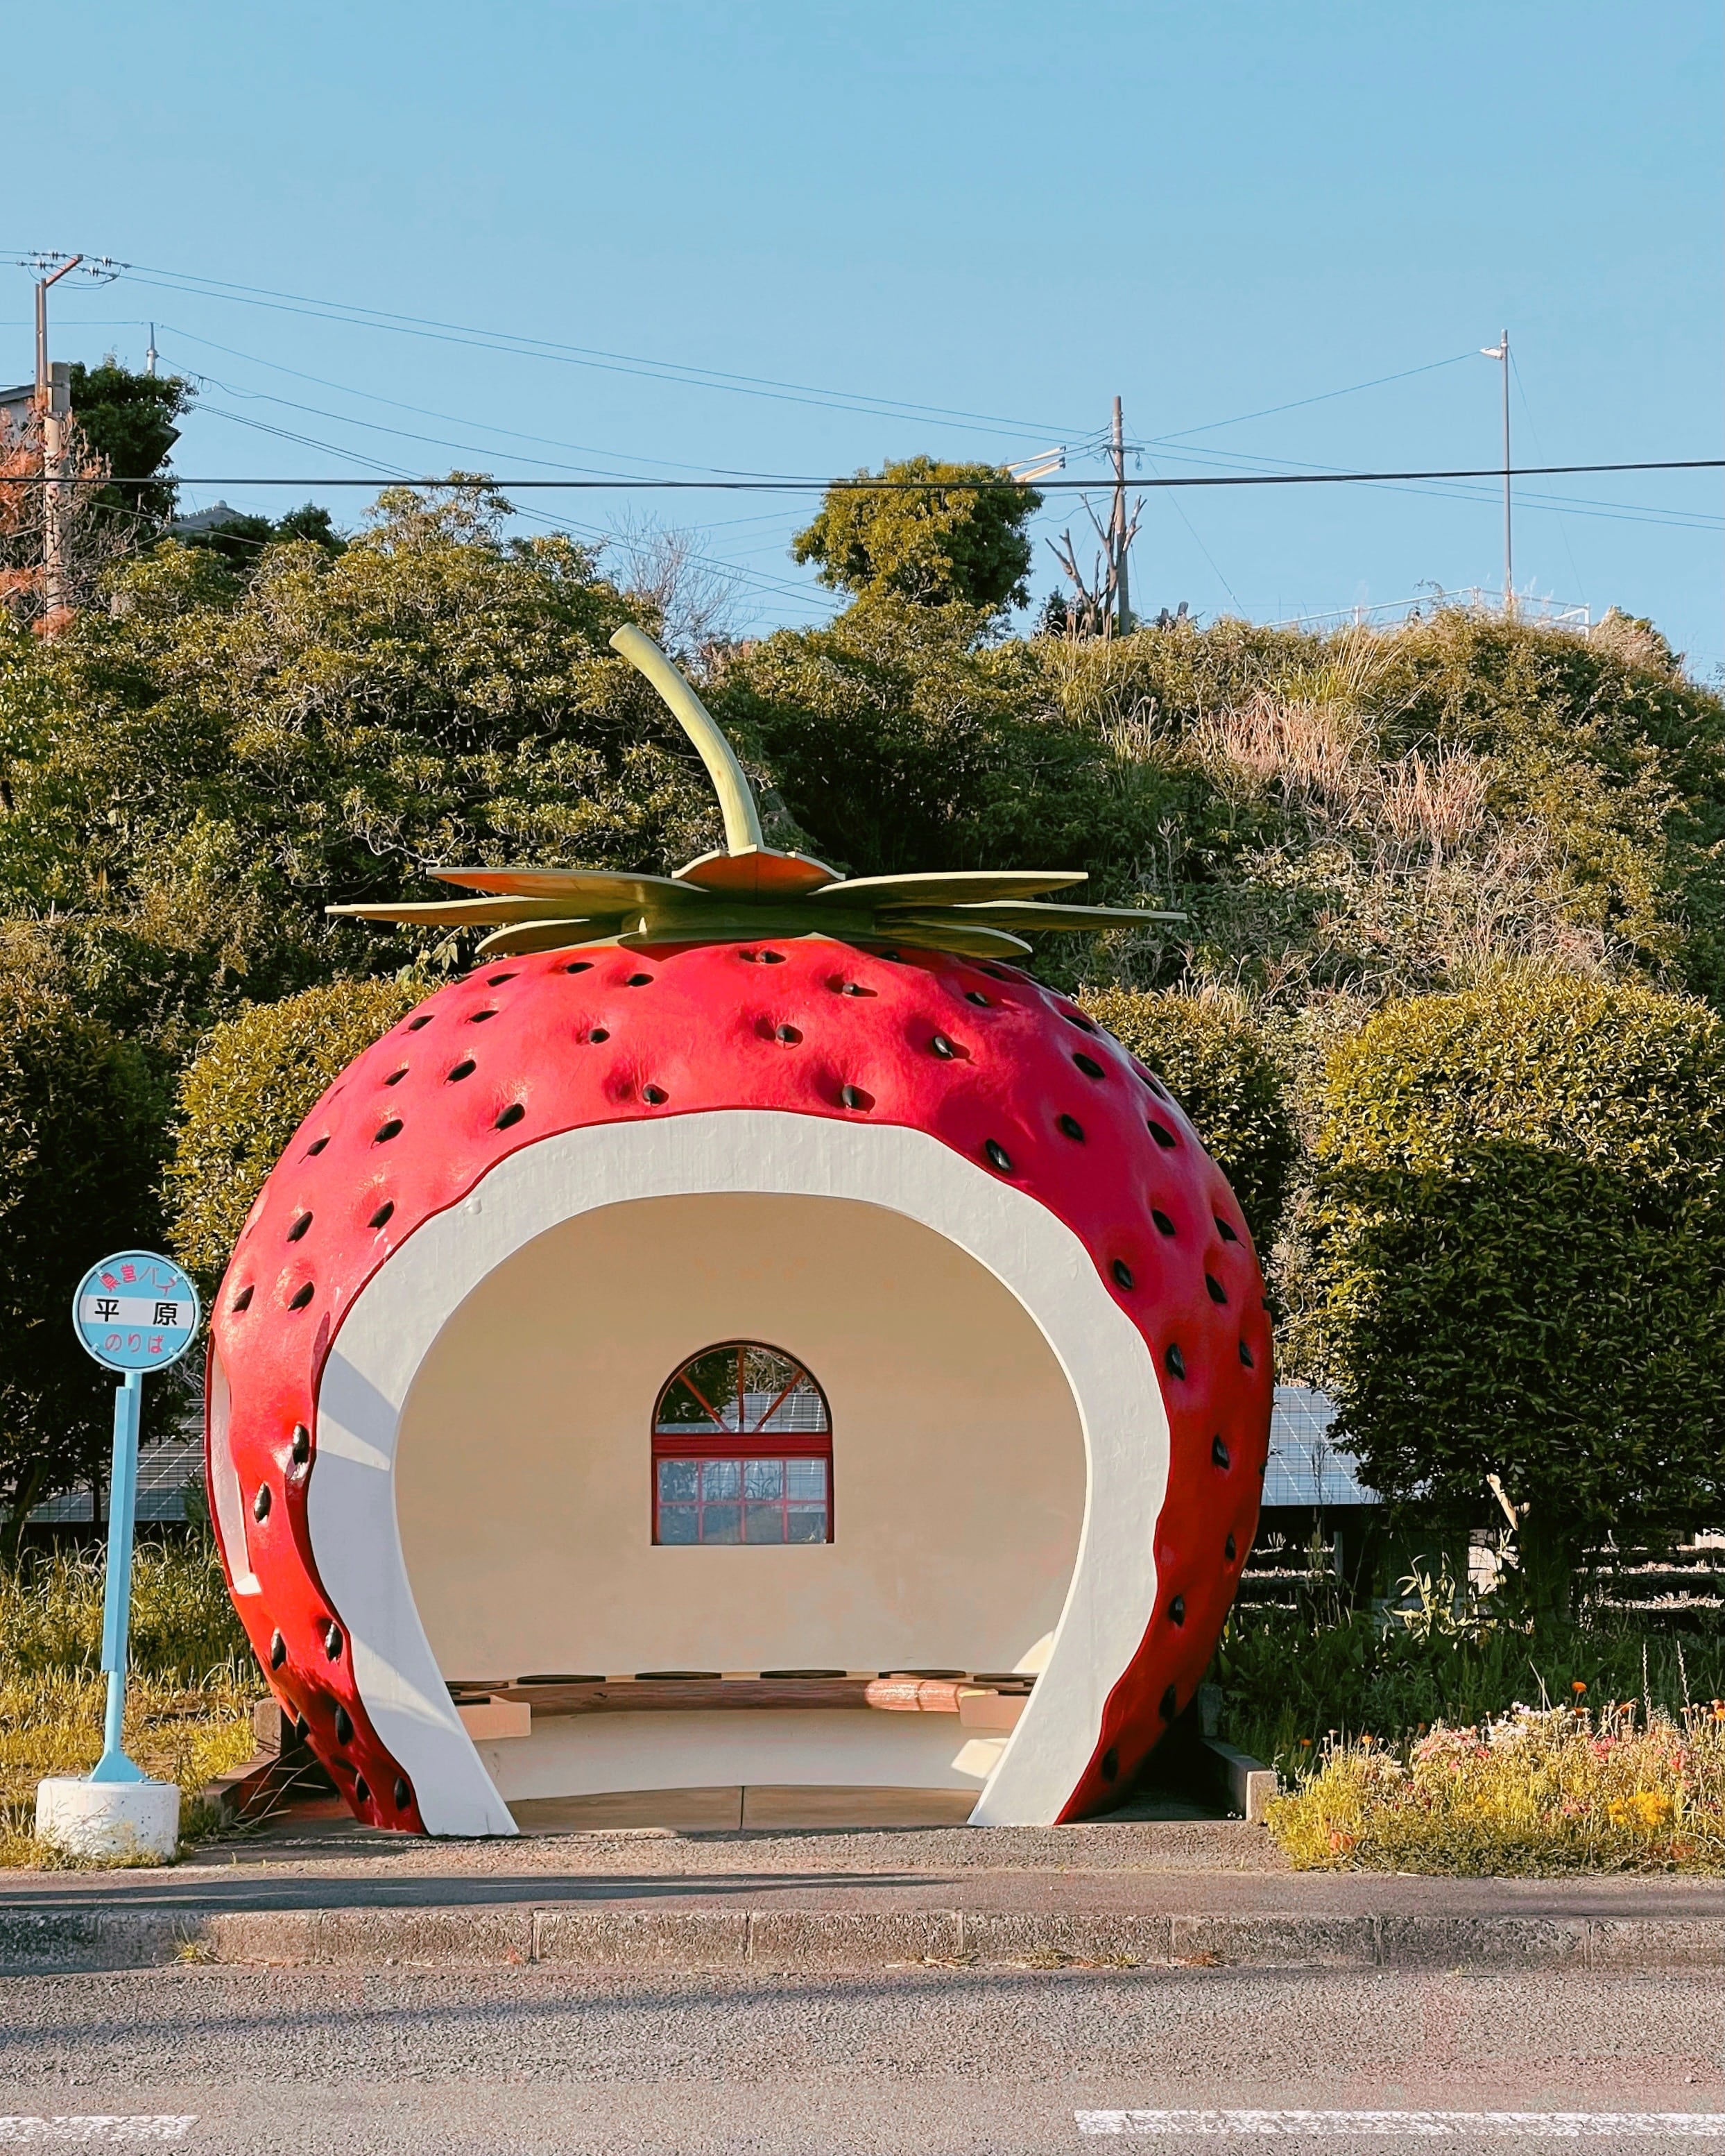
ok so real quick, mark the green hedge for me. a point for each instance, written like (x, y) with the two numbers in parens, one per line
(1513, 1256)
(1227, 1077)
(257, 1079)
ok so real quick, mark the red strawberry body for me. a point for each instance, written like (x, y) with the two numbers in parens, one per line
(1035, 1108)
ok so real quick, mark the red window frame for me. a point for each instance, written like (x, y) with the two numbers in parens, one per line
(715, 1440)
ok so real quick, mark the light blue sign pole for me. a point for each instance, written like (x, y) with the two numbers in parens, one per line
(134, 1312)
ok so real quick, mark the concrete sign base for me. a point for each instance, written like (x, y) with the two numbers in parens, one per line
(110, 1822)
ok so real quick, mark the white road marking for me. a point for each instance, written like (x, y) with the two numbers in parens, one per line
(109, 2128)
(1415, 2125)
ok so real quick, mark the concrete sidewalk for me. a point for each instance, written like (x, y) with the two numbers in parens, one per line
(1144, 1894)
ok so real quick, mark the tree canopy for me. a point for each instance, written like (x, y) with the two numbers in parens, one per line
(128, 419)
(241, 731)
(81, 1137)
(196, 772)
(936, 534)
(241, 539)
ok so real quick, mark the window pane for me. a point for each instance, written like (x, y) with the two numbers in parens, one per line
(677, 1523)
(721, 1478)
(806, 1523)
(762, 1478)
(721, 1523)
(677, 1480)
(679, 1409)
(805, 1478)
(744, 1387)
(763, 1523)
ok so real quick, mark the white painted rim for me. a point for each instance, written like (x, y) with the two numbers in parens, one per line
(391, 1326)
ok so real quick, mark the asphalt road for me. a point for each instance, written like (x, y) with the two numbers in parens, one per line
(930, 2060)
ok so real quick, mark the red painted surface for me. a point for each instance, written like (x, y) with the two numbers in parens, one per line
(574, 1039)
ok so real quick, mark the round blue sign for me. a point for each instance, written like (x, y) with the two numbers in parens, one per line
(136, 1312)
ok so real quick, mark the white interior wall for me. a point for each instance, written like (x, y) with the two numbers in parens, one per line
(523, 1488)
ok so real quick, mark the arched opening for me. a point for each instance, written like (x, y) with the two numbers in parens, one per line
(743, 1451)
(526, 1522)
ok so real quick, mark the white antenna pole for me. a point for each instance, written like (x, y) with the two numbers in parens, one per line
(1500, 352)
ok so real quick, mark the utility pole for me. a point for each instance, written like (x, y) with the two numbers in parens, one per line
(53, 406)
(1119, 538)
(1105, 603)
(1500, 352)
(151, 356)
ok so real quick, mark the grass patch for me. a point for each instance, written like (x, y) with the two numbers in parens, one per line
(177, 1732)
(188, 1699)
(1537, 1791)
(182, 1621)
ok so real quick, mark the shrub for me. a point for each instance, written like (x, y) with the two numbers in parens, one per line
(1226, 1076)
(257, 1078)
(1513, 1257)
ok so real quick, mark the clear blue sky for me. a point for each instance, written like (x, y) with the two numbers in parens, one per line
(1011, 211)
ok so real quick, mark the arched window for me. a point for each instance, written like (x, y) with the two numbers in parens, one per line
(743, 1451)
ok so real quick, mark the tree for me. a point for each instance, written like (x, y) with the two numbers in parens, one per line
(78, 1135)
(1513, 1258)
(128, 419)
(900, 740)
(936, 534)
(1225, 1075)
(246, 1092)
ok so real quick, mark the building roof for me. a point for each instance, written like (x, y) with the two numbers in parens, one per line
(206, 520)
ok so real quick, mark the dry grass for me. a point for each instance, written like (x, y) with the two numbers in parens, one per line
(1306, 748)
(1536, 1791)
(188, 1702)
(53, 1725)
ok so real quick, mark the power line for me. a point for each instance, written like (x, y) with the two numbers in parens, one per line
(319, 309)
(586, 355)
(1561, 505)
(423, 411)
(1299, 403)
(849, 483)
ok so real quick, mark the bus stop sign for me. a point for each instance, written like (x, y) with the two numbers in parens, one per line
(135, 1311)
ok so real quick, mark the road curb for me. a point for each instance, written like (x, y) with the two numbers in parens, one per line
(785, 1941)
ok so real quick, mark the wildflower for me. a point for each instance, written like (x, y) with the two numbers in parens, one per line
(1647, 1811)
